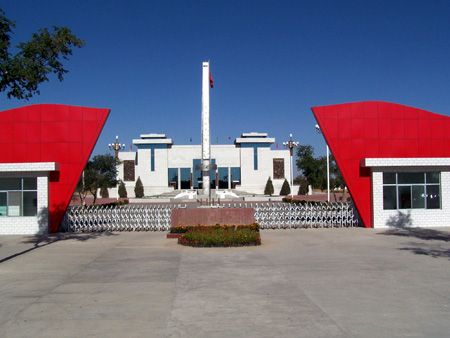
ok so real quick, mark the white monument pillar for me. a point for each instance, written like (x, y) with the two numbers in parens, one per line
(206, 146)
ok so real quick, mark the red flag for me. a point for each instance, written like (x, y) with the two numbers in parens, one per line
(211, 81)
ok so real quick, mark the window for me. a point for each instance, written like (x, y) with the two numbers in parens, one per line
(18, 196)
(185, 178)
(411, 190)
(173, 178)
(255, 158)
(223, 177)
(278, 168)
(152, 159)
(235, 176)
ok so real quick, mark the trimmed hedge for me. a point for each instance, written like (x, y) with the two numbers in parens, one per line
(219, 235)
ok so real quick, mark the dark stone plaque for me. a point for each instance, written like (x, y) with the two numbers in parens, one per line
(128, 170)
(278, 168)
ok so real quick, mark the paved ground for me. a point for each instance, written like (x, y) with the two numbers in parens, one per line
(300, 283)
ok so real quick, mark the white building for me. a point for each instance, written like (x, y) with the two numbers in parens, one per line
(164, 167)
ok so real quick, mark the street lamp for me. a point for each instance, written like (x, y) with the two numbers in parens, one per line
(328, 165)
(116, 146)
(291, 144)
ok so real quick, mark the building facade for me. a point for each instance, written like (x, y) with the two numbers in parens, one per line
(395, 161)
(164, 167)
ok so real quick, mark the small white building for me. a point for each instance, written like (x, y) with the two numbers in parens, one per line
(164, 167)
(24, 197)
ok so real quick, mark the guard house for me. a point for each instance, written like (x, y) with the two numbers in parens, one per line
(395, 161)
(165, 167)
(44, 150)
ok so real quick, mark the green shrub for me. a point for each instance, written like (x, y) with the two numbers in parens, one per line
(268, 190)
(302, 185)
(139, 189)
(220, 235)
(285, 189)
(122, 190)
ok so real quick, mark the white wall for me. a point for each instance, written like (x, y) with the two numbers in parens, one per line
(419, 217)
(181, 156)
(33, 225)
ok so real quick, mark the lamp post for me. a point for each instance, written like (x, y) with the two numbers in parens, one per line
(291, 144)
(116, 146)
(328, 165)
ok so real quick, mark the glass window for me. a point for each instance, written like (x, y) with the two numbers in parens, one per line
(152, 159)
(433, 177)
(389, 197)
(3, 203)
(10, 183)
(30, 203)
(173, 178)
(433, 197)
(14, 203)
(235, 177)
(389, 178)
(18, 196)
(223, 178)
(418, 196)
(408, 178)
(413, 190)
(255, 158)
(30, 183)
(185, 175)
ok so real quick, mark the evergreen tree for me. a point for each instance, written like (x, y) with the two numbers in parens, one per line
(268, 190)
(139, 189)
(285, 189)
(122, 190)
(302, 185)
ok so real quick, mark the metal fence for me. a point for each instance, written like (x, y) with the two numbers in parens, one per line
(271, 215)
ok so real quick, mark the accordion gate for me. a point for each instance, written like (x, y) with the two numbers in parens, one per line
(147, 217)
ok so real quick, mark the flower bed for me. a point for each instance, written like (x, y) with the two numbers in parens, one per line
(220, 235)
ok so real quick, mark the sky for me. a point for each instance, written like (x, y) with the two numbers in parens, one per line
(271, 62)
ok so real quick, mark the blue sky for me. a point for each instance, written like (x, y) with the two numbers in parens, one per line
(271, 61)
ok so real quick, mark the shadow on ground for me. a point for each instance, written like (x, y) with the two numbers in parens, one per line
(434, 242)
(39, 241)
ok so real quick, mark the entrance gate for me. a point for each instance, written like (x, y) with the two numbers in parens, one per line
(151, 217)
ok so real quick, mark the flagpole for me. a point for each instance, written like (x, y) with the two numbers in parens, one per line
(206, 143)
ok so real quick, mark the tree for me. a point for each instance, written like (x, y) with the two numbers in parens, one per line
(22, 73)
(314, 169)
(122, 190)
(139, 189)
(99, 173)
(285, 188)
(81, 189)
(268, 190)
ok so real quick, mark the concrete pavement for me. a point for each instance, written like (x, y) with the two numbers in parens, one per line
(299, 283)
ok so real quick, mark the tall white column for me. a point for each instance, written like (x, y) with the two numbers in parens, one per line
(206, 155)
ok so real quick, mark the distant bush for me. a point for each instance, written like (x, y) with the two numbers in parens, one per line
(285, 189)
(268, 190)
(122, 190)
(139, 189)
(219, 235)
(117, 203)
